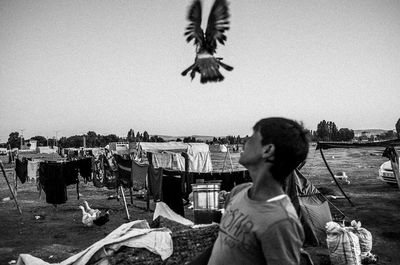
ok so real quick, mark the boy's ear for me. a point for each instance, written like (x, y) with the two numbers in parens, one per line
(269, 152)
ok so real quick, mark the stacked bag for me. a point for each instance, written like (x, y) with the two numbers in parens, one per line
(365, 239)
(349, 245)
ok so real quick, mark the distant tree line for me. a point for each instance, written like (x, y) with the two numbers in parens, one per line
(326, 131)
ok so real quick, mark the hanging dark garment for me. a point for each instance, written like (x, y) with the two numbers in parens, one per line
(124, 171)
(130, 173)
(70, 171)
(109, 173)
(172, 190)
(85, 168)
(172, 193)
(53, 182)
(21, 169)
(139, 174)
(155, 182)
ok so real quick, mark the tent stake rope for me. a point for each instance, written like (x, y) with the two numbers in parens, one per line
(12, 193)
(333, 176)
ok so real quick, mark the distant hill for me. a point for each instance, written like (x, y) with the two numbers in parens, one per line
(369, 131)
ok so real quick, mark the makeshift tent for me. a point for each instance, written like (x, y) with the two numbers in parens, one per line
(389, 152)
(218, 148)
(311, 206)
(197, 155)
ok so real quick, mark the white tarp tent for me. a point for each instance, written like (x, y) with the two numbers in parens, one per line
(159, 147)
(198, 154)
(218, 148)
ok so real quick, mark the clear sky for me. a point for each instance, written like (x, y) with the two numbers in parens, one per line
(68, 67)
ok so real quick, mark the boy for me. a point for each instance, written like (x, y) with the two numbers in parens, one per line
(260, 224)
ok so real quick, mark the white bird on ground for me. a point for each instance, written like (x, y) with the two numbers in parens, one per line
(92, 212)
(87, 218)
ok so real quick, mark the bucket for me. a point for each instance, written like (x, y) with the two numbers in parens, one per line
(205, 201)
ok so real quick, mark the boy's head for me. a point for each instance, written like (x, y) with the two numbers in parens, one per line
(290, 145)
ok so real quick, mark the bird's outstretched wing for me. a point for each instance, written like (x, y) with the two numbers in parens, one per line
(217, 24)
(194, 31)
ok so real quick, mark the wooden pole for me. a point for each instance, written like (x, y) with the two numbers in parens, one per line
(126, 207)
(12, 193)
(226, 155)
(333, 176)
(150, 161)
(230, 158)
(15, 185)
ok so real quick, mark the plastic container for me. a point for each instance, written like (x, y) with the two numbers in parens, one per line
(205, 201)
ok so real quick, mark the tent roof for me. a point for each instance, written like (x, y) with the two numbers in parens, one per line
(328, 145)
(174, 146)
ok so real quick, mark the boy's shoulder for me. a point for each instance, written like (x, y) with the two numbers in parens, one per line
(239, 188)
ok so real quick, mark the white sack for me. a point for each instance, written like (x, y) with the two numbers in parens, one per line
(162, 209)
(343, 245)
(364, 237)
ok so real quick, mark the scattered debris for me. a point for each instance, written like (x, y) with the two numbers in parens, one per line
(38, 217)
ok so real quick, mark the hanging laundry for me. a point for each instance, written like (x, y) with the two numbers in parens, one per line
(124, 171)
(52, 180)
(200, 162)
(98, 173)
(33, 169)
(139, 175)
(85, 168)
(155, 182)
(172, 193)
(163, 160)
(110, 168)
(178, 161)
(70, 172)
(21, 169)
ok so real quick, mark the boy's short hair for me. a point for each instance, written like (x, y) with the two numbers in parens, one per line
(291, 143)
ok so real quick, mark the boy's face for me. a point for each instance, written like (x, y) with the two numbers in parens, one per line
(253, 150)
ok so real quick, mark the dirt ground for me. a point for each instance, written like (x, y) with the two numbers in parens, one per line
(53, 234)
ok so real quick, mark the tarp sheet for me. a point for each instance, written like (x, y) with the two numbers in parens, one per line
(133, 234)
(312, 208)
(159, 147)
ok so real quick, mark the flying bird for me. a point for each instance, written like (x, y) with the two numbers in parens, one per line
(206, 44)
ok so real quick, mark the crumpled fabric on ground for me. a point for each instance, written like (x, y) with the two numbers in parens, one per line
(162, 209)
(133, 234)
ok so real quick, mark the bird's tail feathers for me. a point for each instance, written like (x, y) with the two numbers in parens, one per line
(211, 74)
